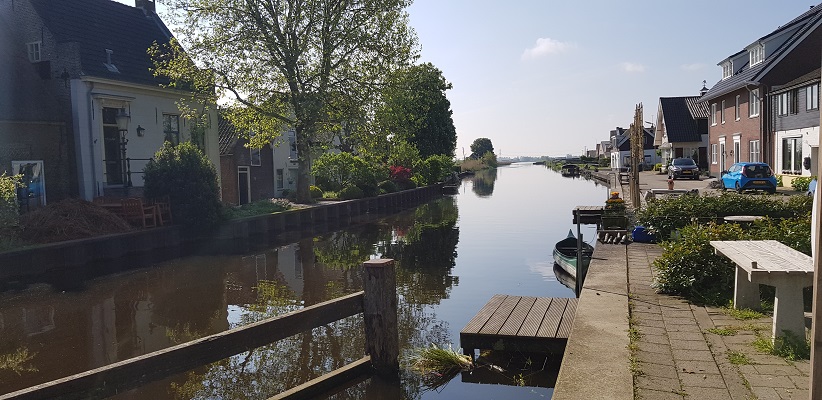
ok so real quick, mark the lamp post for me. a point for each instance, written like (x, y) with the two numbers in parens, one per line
(122, 119)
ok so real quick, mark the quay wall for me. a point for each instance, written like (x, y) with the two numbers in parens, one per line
(239, 235)
(596, 363)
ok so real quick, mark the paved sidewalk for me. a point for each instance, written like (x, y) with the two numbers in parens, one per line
(675, 356)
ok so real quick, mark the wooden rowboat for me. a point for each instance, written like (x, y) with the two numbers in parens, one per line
(565, 254)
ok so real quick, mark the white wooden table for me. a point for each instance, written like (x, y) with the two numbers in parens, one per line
(768, 262)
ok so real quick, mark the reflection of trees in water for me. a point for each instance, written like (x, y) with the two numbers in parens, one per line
(422, 242)
(484, 182)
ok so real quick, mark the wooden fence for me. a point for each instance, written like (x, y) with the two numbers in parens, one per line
(378, 303)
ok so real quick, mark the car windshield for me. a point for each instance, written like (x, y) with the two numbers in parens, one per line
(757, 171)
(683, 161)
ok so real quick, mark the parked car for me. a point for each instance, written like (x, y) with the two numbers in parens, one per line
(683, 168)
(811, 188)
(749, 176)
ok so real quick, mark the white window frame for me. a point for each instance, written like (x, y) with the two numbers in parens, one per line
(812, 97)
(754, 150)
(727, 69)
(737, 111)
(737, 149)
(171, 128)
(753, 103)
(756, 55)
(713, 114)
(782, 104)
(35, 51)
(713, 153)
(279, 174)
(722, 112)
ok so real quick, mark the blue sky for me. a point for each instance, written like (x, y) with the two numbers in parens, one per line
(546, 77)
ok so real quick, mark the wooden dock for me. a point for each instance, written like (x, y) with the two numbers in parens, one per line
(518, 323)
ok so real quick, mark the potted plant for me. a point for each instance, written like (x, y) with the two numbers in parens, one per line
(613, 216)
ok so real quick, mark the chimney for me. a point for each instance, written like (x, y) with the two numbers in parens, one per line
(147, 5)
(704, 89)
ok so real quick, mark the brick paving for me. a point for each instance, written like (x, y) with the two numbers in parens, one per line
(677, 357)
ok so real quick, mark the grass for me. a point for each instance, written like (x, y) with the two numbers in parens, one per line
(438, 366)
(789, 346)
(260, 207)
(744, 314)
(738, 358)
(722, 331)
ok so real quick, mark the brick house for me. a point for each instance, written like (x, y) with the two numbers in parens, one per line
(682, 129)
(741, 125)
(89, 58)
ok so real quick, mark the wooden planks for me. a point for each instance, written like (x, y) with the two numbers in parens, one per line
(518, 322)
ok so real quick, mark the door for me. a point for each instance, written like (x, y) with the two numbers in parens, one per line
(112, 147)
(722, 156)
(243, 185)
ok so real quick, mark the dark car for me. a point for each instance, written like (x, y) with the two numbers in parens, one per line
(683, 168)
(749, 176)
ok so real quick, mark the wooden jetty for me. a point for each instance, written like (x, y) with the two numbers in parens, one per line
(519, 323)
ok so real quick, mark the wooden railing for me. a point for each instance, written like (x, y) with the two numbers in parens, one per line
(378, 303)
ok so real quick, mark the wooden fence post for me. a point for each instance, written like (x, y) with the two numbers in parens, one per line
(382, 340)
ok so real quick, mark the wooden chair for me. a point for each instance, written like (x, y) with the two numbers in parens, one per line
(135, 211)
(163, 205)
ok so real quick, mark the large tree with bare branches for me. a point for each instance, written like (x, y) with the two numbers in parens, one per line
(307, 65)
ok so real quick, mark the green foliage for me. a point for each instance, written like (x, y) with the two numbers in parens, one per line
(335, 171)
(480, 147)
(800, 184)
(316, 192)
(658, 167)
(187, 176)
(437, 366)
(403, 154)
(787, 346)
(350, 192)
(260, 207)
(722, 331)
(779, 181)
(434, 169)
(387, 187)
(489, 159)
(738, 358)
(415, 110)
(9, 209)
(663, 216)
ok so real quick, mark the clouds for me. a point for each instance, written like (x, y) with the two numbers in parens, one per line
(632, 67)
(545, 47)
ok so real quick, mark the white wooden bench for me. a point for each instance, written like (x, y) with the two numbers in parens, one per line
(768, 262)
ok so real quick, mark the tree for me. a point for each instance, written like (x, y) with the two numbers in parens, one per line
(416, 110)
(307, 64)
(480, 147)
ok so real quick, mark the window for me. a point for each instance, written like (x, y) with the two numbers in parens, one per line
(736, 108)
(727, 69)
(292, 144)
(35, 54)
(713, 153)
(256, 159)
(280, 179)
(753, 103)
(812, 97)
(792, 156)
(756, 55)
(713, 114)
(171, 128)
(754, 148)
(722, 111)
(736, 150)
(786, 103)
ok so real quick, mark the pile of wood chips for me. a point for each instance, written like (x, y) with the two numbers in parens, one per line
(69, 219)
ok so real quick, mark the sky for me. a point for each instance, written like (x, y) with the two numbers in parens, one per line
(548, 77)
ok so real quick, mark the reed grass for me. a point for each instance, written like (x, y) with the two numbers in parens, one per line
(437, 366)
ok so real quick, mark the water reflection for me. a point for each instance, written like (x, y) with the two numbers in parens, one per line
(484, 182)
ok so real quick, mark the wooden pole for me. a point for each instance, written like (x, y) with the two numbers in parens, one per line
(382, 339)
(816, 321)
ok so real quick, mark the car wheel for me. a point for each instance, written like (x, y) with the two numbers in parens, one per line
(738, 189)
(722, 183)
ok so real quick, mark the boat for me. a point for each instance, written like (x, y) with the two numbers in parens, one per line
(565, 254)
(564, 278)
(570, 170)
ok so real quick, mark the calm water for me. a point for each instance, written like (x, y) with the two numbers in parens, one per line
(453, 255)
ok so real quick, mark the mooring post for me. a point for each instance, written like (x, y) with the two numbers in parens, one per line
(382, 341)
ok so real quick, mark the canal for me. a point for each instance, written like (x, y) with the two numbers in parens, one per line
(453, 254)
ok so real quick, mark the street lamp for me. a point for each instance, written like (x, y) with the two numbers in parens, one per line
(123, 119)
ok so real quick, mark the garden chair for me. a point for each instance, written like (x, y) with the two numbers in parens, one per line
(135, 211)
(163, 205)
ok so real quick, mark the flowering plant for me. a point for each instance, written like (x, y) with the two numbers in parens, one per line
(399, 173)
(615, 205)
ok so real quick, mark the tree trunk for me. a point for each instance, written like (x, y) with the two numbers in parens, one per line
(303, 166)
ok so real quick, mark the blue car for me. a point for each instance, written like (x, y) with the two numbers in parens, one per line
(749, 176)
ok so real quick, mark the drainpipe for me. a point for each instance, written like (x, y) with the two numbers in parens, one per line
(91, 138)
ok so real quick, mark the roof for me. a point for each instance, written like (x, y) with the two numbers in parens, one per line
(227, 136)
(745, 75)
(803, 80)
(679, 116)
(98, 25)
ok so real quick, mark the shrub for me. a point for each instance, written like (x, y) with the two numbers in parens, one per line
(9, 209)
(663, 216)
(316, 192)
(369, 189)
(658, 167)
(800, 184)
(260, 207)
(399, 173)
(335, 171)
(350, 192)
(434, 169)
(387, 187)
(187, 176)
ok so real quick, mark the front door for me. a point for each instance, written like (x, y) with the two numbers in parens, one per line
(112, 147)
(243, 185)
(722, 156)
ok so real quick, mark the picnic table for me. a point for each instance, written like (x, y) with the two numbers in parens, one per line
(769, 262)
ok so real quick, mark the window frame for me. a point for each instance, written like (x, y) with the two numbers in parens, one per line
(713, 114)
(169, 133)
(812, 97)
(727, 69)
(756, 55)
(754, 151)
(722, 112)
(714, 148)
(753, 103)
(737, 109)
(35, 51)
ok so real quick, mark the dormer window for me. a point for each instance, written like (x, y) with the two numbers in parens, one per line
(757, 54)
(34, 51)
(727, 69)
